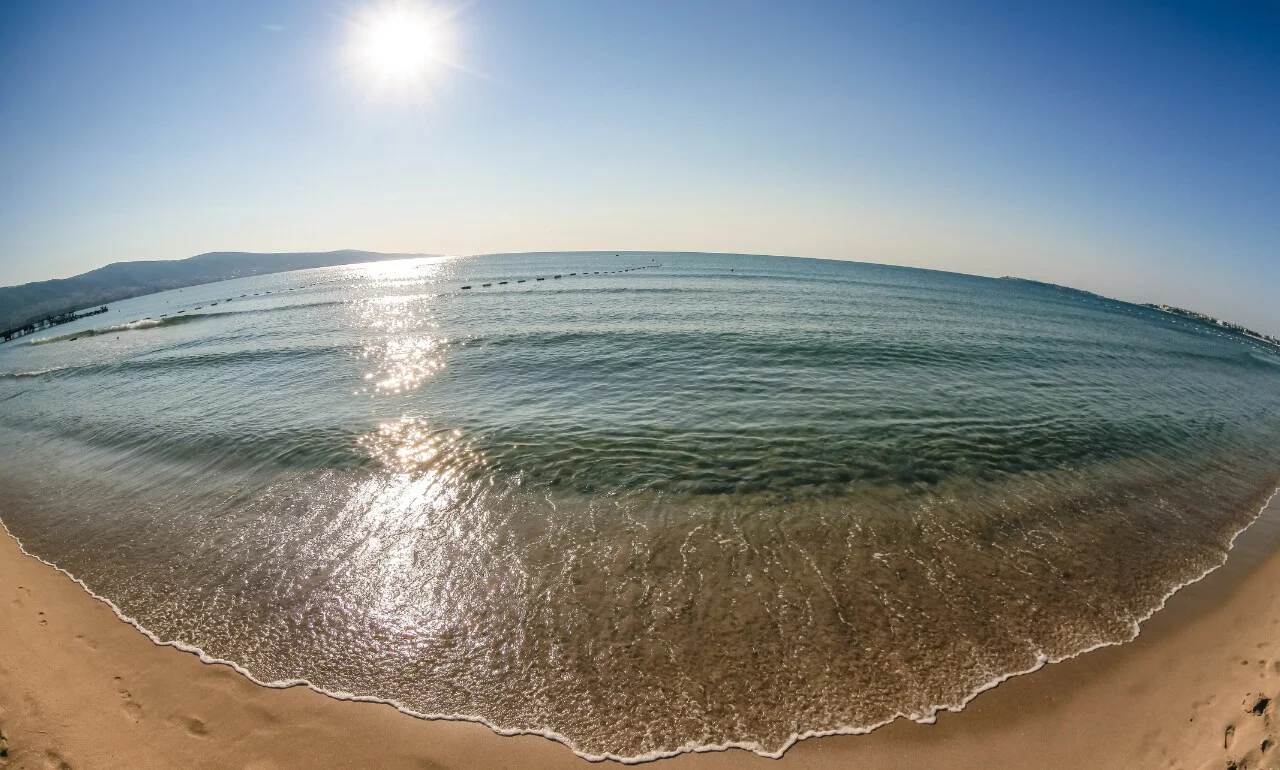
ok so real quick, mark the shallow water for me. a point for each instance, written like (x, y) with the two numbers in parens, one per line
(672, 501)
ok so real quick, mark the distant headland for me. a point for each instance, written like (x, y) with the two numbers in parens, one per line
(1211, 321)
(1191, 315)
(35, 302)
(1057, 286)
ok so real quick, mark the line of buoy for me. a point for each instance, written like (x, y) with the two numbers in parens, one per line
(561, 275)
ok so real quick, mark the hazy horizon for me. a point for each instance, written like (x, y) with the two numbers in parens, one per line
(1120, 150)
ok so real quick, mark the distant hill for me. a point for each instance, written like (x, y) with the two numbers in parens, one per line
(33, 301)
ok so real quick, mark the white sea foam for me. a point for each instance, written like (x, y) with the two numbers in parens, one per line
(135, 325)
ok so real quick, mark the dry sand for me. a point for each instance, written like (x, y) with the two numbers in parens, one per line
(81, 689)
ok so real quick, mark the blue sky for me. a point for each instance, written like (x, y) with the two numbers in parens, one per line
(1120, 147)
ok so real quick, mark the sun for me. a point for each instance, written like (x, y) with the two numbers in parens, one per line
(401, 44)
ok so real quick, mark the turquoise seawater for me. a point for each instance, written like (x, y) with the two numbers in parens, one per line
(649, 503)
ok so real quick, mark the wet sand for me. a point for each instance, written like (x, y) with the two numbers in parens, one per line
(81, 689)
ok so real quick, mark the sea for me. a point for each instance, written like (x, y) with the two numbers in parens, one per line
(639, 503)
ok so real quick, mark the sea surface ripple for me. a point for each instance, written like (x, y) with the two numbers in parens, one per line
(650, 503)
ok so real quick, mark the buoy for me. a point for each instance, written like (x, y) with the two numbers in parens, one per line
(466, 287)
(502, 283)
(542, 279)
(483, 285)
(556, 276)
(572, 273)
(520, 281)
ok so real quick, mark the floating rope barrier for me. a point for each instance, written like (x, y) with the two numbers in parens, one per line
(558, 276)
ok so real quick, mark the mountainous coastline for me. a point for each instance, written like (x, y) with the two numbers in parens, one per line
(30, 302)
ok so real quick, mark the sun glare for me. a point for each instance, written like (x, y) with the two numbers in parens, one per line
(401, 44)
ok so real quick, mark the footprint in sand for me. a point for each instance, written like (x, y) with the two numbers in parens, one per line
(1254, 737)
(54, 761)
(262, 715)
(195, 727)
(132, 708)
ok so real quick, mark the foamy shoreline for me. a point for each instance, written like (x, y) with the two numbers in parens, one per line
(58, 628)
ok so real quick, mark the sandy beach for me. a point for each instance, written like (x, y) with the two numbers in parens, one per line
(81, 689)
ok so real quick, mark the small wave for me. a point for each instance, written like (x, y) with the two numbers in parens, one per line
(1265, 357)
(144, 323)
(185, 362)
(32, 373)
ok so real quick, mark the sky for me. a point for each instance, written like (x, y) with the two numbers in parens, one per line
(1127, 148)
